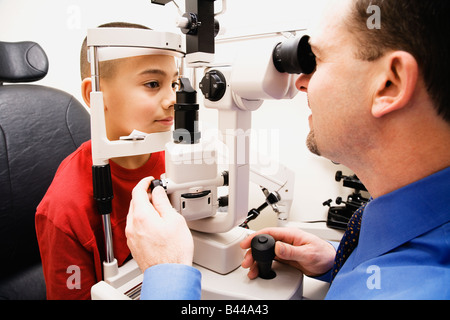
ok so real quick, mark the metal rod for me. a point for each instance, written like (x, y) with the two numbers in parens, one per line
(108, 238)
(258, 36)
(95, 75)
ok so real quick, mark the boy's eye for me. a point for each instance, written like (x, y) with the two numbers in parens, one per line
(152, 84)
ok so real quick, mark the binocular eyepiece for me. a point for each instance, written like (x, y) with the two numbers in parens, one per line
(294, 56)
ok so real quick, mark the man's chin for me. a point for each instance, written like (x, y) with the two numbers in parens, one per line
(311, 143)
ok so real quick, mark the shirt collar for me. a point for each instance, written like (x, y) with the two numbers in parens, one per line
(398, 217)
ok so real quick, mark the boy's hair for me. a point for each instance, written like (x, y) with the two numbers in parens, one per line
(107, 67)
(419, 27)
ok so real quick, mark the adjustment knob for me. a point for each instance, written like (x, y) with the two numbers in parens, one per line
(263, 251)
(157, 183)
(213, 85)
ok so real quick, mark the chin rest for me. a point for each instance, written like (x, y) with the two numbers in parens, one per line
(39, 127)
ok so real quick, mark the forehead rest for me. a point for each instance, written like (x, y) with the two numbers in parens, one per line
(22, 62)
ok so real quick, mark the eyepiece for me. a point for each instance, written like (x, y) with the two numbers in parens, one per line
(186, 115)
(294, 56)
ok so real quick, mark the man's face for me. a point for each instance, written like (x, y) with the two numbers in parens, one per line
(140, 95)
(339, 90)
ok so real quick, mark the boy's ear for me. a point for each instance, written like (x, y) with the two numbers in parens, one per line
(397, 85)
(86, 88)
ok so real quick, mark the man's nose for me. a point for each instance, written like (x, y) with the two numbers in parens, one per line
(302, 82)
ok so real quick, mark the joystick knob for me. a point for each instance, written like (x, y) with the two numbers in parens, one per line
(263, 251)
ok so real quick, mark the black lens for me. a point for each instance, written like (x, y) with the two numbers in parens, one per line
(294, 56)
(186, 114)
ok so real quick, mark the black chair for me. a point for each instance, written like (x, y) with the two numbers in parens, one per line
(39, 127)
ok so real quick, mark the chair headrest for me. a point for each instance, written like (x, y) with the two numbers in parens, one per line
(22, 62)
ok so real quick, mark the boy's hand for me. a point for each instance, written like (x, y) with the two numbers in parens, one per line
(156, 232)
(306, 252)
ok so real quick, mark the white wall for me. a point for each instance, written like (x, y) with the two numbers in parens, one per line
(59, 26)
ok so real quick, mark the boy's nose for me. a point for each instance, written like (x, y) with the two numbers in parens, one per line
(169, 101)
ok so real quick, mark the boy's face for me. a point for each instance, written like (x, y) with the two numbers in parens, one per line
(140, 95)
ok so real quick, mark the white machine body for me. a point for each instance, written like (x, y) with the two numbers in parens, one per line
(192, 175)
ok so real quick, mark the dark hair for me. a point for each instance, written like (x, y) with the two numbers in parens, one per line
(419, 27)
(106, 67)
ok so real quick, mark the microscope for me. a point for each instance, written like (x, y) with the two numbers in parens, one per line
(192, 178)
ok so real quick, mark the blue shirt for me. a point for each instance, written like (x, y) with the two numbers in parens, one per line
(404, 246)
(171, 282)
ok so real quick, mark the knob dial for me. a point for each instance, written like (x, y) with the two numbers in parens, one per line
(213, 85)
(263, 251)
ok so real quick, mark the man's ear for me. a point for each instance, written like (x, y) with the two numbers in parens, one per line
(86, 88)
(397, 84)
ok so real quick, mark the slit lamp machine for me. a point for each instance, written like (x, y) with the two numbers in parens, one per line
(192, 176)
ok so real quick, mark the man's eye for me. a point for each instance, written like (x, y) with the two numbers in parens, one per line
(175, 85)
(152, 84)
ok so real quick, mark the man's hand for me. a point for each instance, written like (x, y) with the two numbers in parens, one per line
(306, 252)
(156, 232)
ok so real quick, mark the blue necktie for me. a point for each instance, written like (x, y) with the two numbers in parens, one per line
(349, 240)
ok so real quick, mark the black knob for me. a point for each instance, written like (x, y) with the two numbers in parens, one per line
(263, 251)
(192, 25)
(338, 177)
(273, 197)
(156, 183)
(213, 85)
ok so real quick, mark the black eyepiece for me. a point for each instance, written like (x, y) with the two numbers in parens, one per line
(294, 56)
(186, 115)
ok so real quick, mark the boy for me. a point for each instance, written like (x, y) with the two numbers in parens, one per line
(139, 93)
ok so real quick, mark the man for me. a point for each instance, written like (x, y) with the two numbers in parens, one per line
(380, 106)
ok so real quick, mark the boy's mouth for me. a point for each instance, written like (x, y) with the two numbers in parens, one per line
(166, 121)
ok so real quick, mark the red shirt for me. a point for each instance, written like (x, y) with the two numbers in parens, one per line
(69, 228)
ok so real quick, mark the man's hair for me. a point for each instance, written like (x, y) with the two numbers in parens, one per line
(419, 27)
(107, 67)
